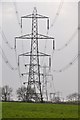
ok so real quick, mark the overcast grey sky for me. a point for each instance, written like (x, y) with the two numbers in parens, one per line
(65, 25)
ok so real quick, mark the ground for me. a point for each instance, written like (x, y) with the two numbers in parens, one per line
(38, 110)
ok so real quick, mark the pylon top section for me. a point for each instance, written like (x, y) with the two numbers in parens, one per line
(34, 13)
(39, 36)
(35, 10)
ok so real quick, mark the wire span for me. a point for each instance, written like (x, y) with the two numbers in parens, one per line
(68, 65)
(54, 21)
(57, 13)
(68, 42)
(5, 39)
(20, 25)
(6, 60)
(17, 13)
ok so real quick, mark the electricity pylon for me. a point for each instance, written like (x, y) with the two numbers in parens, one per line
(34, 66)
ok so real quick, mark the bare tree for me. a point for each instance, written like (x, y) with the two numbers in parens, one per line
(26, 94)
(79, 97)
(21, 93)
(6, 93)
(57, 99)
(73, 97)
(0, 94)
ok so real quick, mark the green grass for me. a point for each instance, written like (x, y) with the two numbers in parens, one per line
(37, 110)
(0, 110)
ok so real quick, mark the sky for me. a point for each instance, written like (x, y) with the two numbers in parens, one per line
(65, 25)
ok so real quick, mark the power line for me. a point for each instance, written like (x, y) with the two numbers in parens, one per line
(8, 63)
(8, 44)
(6, 60)
(54, 21)
(17, 16)
(17, 13)
(68, 42)
(71, 38)
(57, 13)
(18, 67)
(4, 56)
(56, 16)
(5, 39)
(65, 45)
(68, 65)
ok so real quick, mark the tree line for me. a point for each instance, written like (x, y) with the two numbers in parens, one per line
(29, 94)
(23, 94)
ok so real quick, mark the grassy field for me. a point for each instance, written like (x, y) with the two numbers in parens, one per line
(37, 110)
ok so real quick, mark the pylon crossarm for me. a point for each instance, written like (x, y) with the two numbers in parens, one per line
(32, 82)
(23, 36)
(24, 74)
(28, 36)
(29, 54)
(36, 65)
(32, 65)
(43, 54)
(31, 16)
(28, 73)
(25, 54)
(40, 36)
(41, 16)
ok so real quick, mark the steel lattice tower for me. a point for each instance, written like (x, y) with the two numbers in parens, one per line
(34, 66)
(34, 70)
